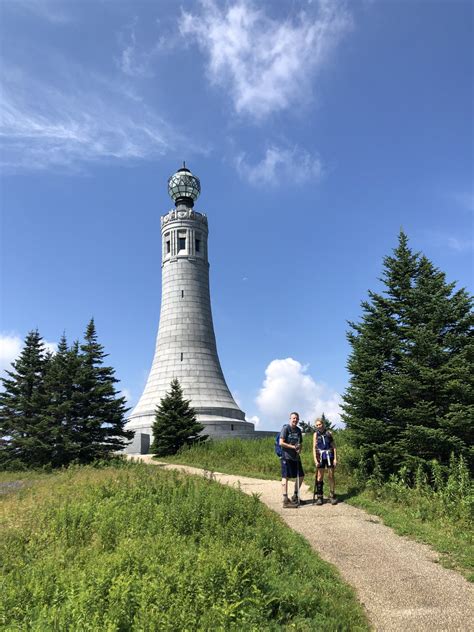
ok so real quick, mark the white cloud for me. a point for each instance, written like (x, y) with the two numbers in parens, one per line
(287, 387)
(11, 346)
(54, 12)
(136, 60)
(459, 245)
(254, 420)
(267, 65)
(81, 117)
(281, 165)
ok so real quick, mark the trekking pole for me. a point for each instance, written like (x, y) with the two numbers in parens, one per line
(298, 479)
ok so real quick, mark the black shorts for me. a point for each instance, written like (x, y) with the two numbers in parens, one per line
(324, 464)
(291, 469)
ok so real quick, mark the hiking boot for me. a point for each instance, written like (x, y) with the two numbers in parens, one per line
(333, 499)
(319, 500)
(289, 504)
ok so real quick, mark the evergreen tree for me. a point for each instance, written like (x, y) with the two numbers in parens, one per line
(24, 429)
(411, 391)
(175, 423)
(310, 428)
(98, 413)
(61, 387)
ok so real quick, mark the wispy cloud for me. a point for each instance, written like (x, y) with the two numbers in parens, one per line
(50, 10)
(451, 242)
(136, 59)
(459, 245)
(288, 386)
(281, 166)
(79, 118)
(266, 64)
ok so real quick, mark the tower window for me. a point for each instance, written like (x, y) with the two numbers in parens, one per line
(182, 293)
(182, 355)
(198, 245)
(182, 243)
(231, 426)
(168, 247)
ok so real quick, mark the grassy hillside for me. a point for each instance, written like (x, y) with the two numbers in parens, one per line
(441, 517)
(137, 548)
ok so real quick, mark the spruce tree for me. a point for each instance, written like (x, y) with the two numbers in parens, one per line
(26, 436)
(98, 412)
(61, 386)
(410, 397)
(175, 423)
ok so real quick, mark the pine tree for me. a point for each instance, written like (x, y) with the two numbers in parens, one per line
(61, 387)
(175, 423)
(98, 413)
(24, 428)
(411, 394)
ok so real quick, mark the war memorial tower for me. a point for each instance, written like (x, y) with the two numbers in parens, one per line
(186, 344)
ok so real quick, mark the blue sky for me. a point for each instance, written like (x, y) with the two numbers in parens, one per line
(318, 130)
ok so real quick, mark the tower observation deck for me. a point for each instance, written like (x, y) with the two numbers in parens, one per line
(186, 344)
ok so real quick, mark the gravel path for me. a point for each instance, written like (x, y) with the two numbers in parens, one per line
(396, 579)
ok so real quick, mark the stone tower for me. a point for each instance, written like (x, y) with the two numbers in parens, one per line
(186, 344)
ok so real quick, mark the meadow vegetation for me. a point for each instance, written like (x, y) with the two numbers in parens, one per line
(138, 548)
(434, 505)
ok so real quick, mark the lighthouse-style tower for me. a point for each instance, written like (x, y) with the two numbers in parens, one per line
(186, 344)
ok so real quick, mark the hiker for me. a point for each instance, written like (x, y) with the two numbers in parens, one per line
(291, 439)
(325, 457)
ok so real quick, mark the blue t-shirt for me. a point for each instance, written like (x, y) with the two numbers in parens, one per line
(293, 437)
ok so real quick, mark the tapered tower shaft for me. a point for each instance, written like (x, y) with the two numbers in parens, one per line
(186, 344)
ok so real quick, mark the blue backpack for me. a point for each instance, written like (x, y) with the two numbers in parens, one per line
(278, 450)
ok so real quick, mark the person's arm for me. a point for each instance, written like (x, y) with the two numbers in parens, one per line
(289, 446)
(333, 446)
(315, 450)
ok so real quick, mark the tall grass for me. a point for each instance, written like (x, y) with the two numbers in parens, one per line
(138, 548)
(434, 506)
(255, 458)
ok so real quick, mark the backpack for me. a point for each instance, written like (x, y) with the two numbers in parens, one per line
(278, 450)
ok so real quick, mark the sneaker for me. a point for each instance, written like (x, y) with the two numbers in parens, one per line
(289, 504)
(333, 499)
(319, 500)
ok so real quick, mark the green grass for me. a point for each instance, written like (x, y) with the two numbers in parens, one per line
(139, 548)
(442, 518)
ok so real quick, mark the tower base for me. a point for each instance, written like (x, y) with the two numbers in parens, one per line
(215, 427)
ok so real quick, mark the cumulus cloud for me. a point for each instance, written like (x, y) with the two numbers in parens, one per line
(281, 165)
(254, 420)
(266, 64)
(287, 387)
(11, 346)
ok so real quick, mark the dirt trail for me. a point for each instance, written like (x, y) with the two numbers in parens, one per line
(396, 579)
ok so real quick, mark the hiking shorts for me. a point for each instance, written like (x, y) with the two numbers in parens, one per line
(324, 463)
(291, 469)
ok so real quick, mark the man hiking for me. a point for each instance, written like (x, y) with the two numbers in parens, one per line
(291, 439)
(325, 457)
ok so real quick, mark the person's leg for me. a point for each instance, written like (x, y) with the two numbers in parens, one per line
(320, 485)
(285, 475)
(298, 482)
